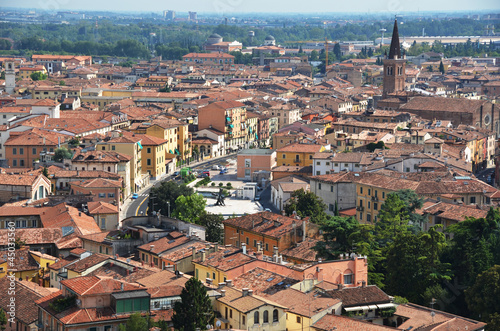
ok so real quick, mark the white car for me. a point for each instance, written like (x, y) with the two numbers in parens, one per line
(215, 167)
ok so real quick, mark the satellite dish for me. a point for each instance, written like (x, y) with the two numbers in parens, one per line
(218, 324)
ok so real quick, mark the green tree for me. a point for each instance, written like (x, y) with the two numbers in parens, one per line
(483, 297)
(392, 219)
(45, 172)
(195, 309)
(441, 67)
(373, 146)
(494, 322)
(3, 319)
(339, 235)
(38, 76)
(135, 323)
(165, 195)
(74, 142)
(189, 208)
(62, 83)
(306, 204)
(213, 224)
(61, 154)
(314, 55)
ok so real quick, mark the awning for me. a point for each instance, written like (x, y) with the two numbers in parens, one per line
(385, 305)
(139, 143)
(170, 151)
(231, 126)
(177, 152)
(354, 308)
(228, 119)
(250, 130)
(372, 307)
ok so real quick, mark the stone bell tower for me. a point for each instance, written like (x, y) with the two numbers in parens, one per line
(394, 66)
(10, 77)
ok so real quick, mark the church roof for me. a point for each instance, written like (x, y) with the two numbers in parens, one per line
(395, 49)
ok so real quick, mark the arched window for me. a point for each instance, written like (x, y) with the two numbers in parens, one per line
(266, 317)
(275, 315)
(256, 318)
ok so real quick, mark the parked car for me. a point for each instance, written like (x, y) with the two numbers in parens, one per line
(203, 175)
(135, 196)
(206, 172)
(176, 173)
(222, 172)
(215, 167)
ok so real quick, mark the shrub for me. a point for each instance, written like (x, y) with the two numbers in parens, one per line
(213, 184)
(220, 184)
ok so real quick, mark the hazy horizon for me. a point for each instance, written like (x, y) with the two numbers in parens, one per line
(261, 6)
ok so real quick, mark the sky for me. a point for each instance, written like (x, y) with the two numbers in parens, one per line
(249, 6)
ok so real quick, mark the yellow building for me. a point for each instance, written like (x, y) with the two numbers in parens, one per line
(44, 261)
(242, 310)
(297, 154)
(175, 132)
(129, 145)
(26, 72)
(153, 155)
(23, 264)
(55, 92)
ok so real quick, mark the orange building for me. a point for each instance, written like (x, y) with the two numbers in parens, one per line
(22, 149)
(268, 230)
(105, 190)
(252, 160)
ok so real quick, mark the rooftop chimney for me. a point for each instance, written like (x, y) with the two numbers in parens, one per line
(208, 281)
(221, 285)
(363, 284)
(203, 256)
(244, 248)
(223, 293)
(244, 291)
(259, 255)
(229, 283)
(304, 230)
(121, 286)
(250, 292)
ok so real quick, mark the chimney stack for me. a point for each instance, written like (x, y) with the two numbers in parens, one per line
(244, 291)
(121, 287)
(128, 272)
(223, 293)
(193, 250)
(363, 284)
(244, 248)
(203, 256)
(275, 255)
(304, 230)
(259, 247)
(250, 292)
(259, 255)
(229, 283)
(208, 281)
(221, 285)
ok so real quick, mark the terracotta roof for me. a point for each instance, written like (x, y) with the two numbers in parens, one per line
(100, 207)
(302, 251)
(165, 291)
(88, 262)
(33, 236)
(226, 258)
(266, 223)
(20, 179)
(98, 183)
(343, 323)
(234, 298)
(358, 296)
(452, 211)
(164, 277)
(88, 285)
(304, 304)
(300, 148)
(23, 261)
(418, 318)
(263, 282)
(441, 104)
(26, 310)
(163, 244)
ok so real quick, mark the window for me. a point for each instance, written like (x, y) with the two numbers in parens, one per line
(102, 195)
(375, 206)
(256, 318)
(14, 151)
(369, 204)
(103, 223)
(14, 163)
(265, 317)
(275, 315)
(383, 195)
(331, 188)
(319, 186)
(21, 163)
(298, 319)
(267, 247)
(111, 195)
(318, 173)
(34, 151)
(310, 157)
(348, 279)
(331, 207)
(284, 156)
(376, 193)
(230, 313)
(369, 218)
(149, 162)
(149, 149)
(472, 199)
(318, 163)
(21, 151)
(360, 190)
(369, 191)
(248, 240)
(243, 319)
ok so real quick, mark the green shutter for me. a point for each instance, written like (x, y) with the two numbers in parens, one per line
(119, 306)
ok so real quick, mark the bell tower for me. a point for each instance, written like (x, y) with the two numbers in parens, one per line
(10, 77)
(394, 66)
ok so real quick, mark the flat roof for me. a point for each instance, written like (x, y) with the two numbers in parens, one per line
(130, 294)
(257, 151)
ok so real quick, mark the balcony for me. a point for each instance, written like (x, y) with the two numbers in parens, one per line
(375, 198)
(360, 208)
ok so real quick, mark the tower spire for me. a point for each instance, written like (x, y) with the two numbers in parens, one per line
(395, 49)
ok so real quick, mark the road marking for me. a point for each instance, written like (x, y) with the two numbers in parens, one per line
(137, 210)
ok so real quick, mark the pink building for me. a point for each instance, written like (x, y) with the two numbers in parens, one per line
(250, 161)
